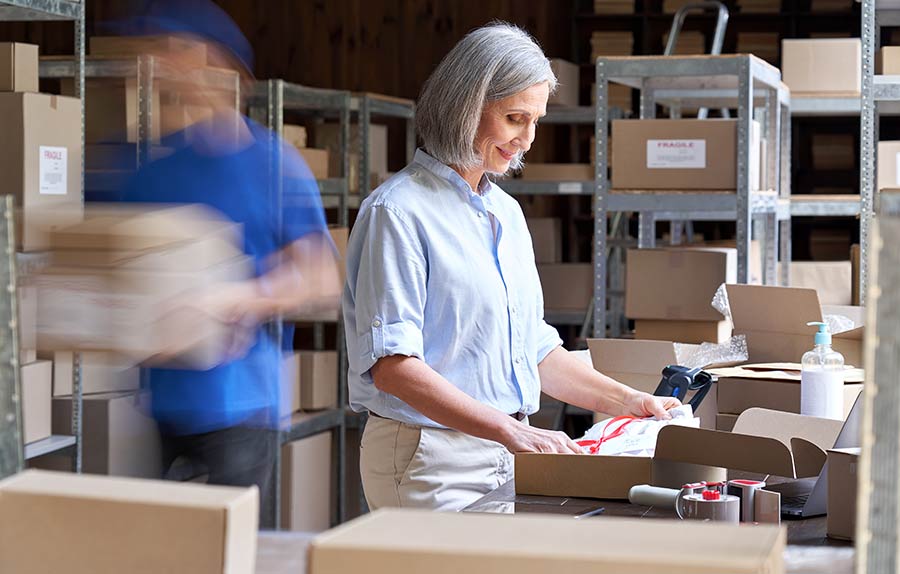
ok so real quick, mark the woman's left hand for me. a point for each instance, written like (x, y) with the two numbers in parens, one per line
(646, 405)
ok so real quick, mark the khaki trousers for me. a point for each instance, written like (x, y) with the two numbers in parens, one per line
(410, 466)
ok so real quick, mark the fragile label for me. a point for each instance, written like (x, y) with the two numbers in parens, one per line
(53, 166)
(676, 154)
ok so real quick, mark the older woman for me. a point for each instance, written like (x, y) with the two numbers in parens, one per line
(448, 348)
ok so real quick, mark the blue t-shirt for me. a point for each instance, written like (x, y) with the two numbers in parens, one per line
(245, 390)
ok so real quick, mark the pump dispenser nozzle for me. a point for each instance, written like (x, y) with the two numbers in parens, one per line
(823, 336)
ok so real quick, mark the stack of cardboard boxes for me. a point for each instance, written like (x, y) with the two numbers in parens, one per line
(669, 293)
(41, 167)
(326, 136)
(317, 160)
(613, 6)
(566, 286)
(613, 44)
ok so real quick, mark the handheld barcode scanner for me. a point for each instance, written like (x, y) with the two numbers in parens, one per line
(677, 381)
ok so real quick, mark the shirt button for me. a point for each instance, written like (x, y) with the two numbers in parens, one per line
(519, 360)
(376, 323)
(512, 310)
(480, 214)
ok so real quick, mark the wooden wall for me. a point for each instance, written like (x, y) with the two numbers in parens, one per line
(386, 46)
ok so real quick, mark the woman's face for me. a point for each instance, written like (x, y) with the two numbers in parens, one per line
(507, 128)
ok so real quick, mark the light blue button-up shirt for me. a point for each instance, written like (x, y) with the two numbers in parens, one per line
(430, 275)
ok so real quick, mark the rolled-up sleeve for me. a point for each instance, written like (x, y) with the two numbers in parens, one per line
(547, 340)
(388, 289)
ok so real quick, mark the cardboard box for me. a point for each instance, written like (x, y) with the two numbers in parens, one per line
(112, 110)
(832, 280)
(679, 155)
(639, 364)
(677, 283)
(40, 157)
(833, 151)
(758, 6)
(887, 61)
(765, 442)
(306, 484)
(558, 172)
(755, 257)
(120, 438)
(567, 286)
(613, 6)
(567, 86)
(18, 67)
(774, 321)
(100, 373)
(402, 540)
(316, 160)
(829, 244)
(546, 238)
(327, 137)
(290, 384)
(819, 66)
(854, 274)
(26, 299)
(103, 524)
(189, 52)
(774, 386)
(725, 422)
(35, 379)
(611, 43)
(842, 493)
(294, 135)
(695, 332)
(318, 380)
(888, 162)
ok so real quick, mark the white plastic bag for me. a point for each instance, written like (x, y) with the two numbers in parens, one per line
(629, 436)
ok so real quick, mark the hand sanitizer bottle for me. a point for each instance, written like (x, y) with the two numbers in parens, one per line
(822, 378)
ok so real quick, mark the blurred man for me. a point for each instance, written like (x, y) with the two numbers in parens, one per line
(224, 420)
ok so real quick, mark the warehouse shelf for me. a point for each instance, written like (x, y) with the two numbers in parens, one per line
(529, 187)
(51, 444)
(41, 10)
(267, 102)
(825, 205)
(12, 451)
(366, 105)
(732, 81)
(569, 115)
(563, 317)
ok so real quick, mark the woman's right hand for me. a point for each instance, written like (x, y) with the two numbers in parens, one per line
(524, 438)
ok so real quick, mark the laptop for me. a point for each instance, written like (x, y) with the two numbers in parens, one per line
(808, 497)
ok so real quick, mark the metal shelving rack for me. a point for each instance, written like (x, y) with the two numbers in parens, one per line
(267, 105)
(364, 107)
(740, 81)
(12, 452)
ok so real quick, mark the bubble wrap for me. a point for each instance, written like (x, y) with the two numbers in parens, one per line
(720, 302)
(838, 323)
(732, 351)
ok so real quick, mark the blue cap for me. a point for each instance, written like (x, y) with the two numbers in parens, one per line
(200, 18)
(823, 336)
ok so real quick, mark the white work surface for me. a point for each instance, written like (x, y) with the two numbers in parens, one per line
(285, 553)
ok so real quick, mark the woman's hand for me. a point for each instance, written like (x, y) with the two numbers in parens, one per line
(524, 438)
(646, 405)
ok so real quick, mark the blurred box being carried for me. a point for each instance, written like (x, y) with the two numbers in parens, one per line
(141, 282)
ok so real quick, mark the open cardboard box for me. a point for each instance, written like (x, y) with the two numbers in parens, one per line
(762, 442)
(639, 364)
(774, 320)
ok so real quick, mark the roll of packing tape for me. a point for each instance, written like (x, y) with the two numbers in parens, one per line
(647, 495)
(710, 505)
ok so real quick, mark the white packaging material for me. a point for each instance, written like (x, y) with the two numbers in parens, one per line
(632, 436)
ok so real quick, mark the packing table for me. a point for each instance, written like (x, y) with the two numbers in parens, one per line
(809, 550)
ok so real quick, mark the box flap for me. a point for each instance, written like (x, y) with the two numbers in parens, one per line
(765, 308)
(787, 372)
(629, 356)
(726, 449)
(852, 335)
(589, 476)
(784, 426)
(808, 458)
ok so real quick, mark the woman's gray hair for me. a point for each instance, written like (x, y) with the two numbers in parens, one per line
(489, 64)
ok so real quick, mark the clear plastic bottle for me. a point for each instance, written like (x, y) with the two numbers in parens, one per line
(822, 378)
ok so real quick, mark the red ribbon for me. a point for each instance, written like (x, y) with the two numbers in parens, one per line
(619, 431)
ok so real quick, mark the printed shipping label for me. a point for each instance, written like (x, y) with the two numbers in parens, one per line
(676, 154)
(53, 167)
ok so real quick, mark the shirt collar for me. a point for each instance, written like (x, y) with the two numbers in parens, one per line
(448, 173)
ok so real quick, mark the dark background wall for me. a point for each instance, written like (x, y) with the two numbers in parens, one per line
(385, 46)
